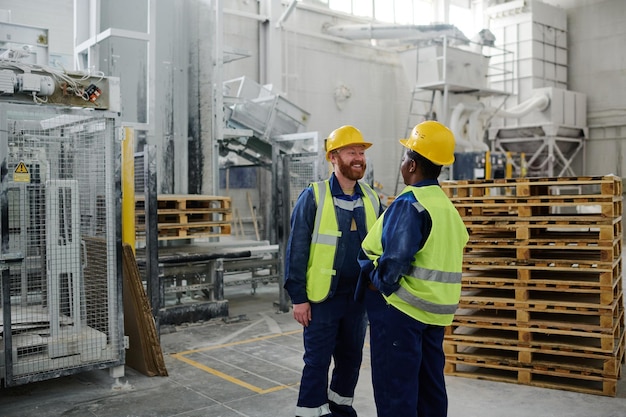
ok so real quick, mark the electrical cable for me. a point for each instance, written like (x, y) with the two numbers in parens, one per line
(61, 78)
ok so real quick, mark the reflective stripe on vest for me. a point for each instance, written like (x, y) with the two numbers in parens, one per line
(320, 268)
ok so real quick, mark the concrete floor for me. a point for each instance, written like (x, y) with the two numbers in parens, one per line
(249, 365)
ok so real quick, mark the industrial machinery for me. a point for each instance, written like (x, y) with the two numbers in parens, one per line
(551, 135)
(26, 76)
(492, 104)
(59, 224)
(257, 115)
(265, 128)
(40, 84)
(498, 101)
(488, 165)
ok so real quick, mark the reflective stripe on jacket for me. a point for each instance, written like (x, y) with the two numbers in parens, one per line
(430, 290)
(320, 268)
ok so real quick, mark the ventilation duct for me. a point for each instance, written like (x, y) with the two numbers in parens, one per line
(397, 32)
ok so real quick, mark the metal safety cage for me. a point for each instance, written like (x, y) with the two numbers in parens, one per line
(60, 228)
(297, 160)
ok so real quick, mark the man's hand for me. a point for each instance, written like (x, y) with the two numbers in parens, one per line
(302, 313)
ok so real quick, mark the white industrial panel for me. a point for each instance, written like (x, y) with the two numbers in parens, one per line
(523, 32)
(561, 38)
(566, 108)
(531, 49)
(549, 71)
(569, 109)
(548, 15)
(561, 56)
(549, 53)
(549, 36)
(437, 64)
(581, 108)
(561, 74)
(531, 67)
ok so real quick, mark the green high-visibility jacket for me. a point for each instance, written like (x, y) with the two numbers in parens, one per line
(320, 268)
(430, 291)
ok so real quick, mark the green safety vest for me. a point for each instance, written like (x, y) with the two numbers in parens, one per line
(320, 268)
(430, 291)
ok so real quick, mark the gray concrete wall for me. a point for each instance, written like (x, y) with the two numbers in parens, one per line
(597, 55)
(315, 66)
(596, 39)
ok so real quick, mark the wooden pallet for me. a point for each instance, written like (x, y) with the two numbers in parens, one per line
(603, 365)
(494, 261)
(524, 197)
(542, 300)
(551, 361)
(538, 186)
(596, 303)
(537, 281)
(550, 244)
(544, 375)
(525, 227)
(575, 256)
(187, 216)
(183, 231)
(600, 326)
(548, 343)
(554, 205)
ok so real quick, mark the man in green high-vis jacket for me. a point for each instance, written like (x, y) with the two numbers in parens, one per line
(328, 223)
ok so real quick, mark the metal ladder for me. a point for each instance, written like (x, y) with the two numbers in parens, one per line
(424, 100)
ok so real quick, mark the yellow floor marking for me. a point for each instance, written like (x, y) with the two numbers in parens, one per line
(181, 356)
(240, 342)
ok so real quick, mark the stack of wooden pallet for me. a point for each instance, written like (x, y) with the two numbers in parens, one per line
(542, 300)
(186, 216)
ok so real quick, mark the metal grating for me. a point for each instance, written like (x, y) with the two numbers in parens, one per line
(303, 170)
(65, 292)
(139, 179)
(305, 163)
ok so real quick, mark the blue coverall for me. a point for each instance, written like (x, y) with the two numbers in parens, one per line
(406, 355)
(338, 324)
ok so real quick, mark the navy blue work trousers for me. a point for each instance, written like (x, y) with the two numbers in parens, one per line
(407, 362)
(337, 331)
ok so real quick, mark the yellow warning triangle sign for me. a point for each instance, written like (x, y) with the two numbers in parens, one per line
(21, 168)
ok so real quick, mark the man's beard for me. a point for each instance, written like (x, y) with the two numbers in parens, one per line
(350, 173)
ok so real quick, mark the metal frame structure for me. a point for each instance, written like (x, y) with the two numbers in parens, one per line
(445, 70)
(287, 183)
(60, 228)
(548, 153)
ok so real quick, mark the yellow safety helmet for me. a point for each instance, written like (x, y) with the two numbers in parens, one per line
(433, 141)
(344, 136)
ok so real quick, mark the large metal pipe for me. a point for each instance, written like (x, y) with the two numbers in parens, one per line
(388, 31)
(539, 102)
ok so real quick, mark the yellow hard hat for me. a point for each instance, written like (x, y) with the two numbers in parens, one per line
(344, 136)
(433, 141)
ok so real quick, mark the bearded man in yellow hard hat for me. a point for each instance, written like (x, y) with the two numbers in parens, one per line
(328, 223)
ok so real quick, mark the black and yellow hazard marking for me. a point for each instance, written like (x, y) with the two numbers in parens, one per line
(21, 174)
